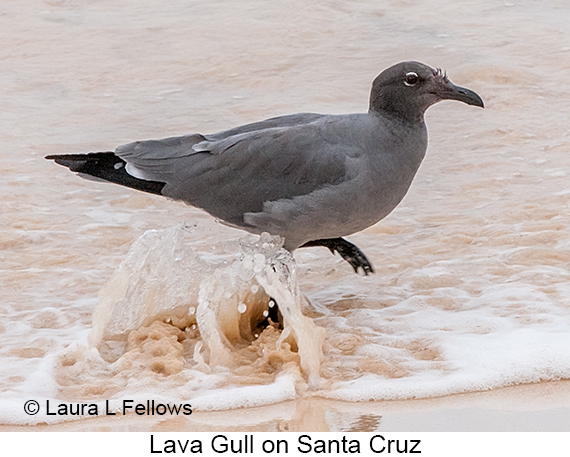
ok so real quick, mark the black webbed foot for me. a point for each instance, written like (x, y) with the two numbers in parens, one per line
(348, 251)
(273, 317)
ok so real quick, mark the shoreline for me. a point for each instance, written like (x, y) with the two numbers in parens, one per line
(540, 407)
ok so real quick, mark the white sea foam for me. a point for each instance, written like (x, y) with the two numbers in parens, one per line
(171, 313)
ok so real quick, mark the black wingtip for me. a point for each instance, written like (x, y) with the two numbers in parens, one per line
(108, 167)
(73, 162)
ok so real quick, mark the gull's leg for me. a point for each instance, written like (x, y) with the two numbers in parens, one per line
(347, 251)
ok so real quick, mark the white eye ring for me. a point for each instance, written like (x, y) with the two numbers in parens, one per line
(412, 79)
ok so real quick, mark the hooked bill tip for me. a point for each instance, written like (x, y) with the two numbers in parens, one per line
(461, 94)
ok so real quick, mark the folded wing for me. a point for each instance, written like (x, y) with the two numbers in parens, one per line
(236, 172)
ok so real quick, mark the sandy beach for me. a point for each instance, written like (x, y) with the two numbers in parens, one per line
(542, 407)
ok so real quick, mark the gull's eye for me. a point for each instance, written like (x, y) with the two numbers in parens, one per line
(412, 79)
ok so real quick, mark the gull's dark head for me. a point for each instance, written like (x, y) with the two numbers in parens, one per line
(407, 89)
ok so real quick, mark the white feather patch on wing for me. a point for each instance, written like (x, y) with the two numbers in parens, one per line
(136, 172)
(202, 146)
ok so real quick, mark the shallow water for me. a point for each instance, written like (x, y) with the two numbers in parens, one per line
(471, 289)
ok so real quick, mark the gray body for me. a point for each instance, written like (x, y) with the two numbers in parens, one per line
(303, 177)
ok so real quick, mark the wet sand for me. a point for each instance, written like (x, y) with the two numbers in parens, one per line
(541, 407)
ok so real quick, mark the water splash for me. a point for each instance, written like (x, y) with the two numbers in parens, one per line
(221, 296)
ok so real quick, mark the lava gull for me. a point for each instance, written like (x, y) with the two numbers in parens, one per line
(309, 178)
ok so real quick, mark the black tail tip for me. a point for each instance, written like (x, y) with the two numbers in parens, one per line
(75, 162)
(107, 167)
